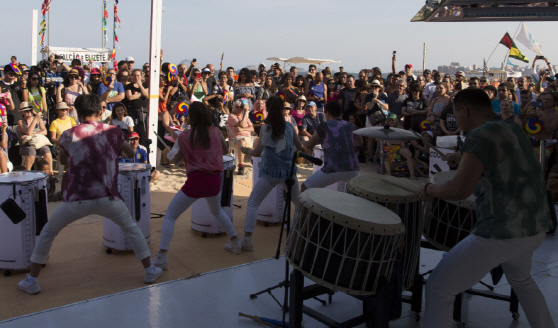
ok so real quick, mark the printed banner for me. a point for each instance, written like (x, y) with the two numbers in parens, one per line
(84, 54)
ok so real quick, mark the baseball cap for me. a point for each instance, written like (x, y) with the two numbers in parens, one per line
(262, 65)
(409, 65)
(311, 103)
(95, 71)
(427, 71)
(393, 116)
(133, 135)
(206, 70)
(429, 133)
(460, 73)
(129, 59)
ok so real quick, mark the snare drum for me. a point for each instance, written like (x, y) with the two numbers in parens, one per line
(343, 242)
(271, 209)
(28, 191)
(402, 203)
(448, 222)
(202, 219)
(319, 153)
(133, 186)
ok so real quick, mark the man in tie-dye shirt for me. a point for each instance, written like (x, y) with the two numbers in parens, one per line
(498, 164)
(338, 143)
(90, 151)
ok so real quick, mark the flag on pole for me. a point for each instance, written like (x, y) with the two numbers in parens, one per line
(484, 67)
(514, 52)
(509, 63)
(45, 8)
(527, 40)
(104, 23)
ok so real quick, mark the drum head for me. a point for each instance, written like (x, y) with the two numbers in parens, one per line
(442, 177)
(132, 167)
(352, 211)
(22, 177)
(228, 158)
(374, 188)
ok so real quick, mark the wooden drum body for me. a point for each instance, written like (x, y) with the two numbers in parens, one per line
(405, 205)
(343, 242)
(448, 222)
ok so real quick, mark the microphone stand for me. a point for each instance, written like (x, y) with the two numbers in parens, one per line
(289, 182)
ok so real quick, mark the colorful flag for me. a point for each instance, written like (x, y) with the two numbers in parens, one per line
(514, 52)
(484, 67)
(527, 40)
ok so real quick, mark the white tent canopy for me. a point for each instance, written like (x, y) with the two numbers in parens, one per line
(304, 60)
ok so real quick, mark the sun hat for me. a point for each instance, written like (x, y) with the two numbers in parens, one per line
(75, 72)
(302, 98)
(62, 105)
(24, 105)
(286, 104)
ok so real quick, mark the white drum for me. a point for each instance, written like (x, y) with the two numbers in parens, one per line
(133, 185)
(271, 209)
(24, 213)
(319, 153)
(202, 219)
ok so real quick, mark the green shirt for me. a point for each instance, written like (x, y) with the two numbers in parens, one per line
(511, 195)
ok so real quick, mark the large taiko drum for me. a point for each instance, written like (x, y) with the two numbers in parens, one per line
(343, 242)
(405, 205)
(448, 222)
(202, 219)
(319, 153)
(271, 209)
(23, 196)
(133, 185)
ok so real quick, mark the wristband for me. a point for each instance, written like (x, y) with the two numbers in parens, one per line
(426, 185)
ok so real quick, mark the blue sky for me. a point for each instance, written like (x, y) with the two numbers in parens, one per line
(360, 33)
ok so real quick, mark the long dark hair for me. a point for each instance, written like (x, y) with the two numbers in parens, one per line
(200, 120)
(248, 75)
(275, 118)
(39, 84)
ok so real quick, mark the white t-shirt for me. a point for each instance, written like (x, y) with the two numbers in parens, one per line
(430, 91)
(125, 124)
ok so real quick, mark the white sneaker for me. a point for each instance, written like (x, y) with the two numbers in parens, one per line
(152, 274)
(233, 246)
(160, 260)
(31, 288)
(246, 244)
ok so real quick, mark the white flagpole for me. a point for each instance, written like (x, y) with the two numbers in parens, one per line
(35, 17)
(154, 75)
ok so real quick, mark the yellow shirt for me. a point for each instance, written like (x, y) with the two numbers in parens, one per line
(59, 126)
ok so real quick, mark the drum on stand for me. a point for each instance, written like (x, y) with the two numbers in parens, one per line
(405, 205)
(202, 219)
(24, 213)
(343, 242)
(272, 207)
(133, 185)
(448, 222)
(319, 153)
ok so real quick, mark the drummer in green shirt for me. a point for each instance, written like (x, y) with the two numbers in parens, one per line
(499, 167)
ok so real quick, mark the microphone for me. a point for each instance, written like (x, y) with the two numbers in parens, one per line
(312, 159)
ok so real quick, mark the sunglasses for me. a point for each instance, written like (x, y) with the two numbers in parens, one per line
(103, 107)
(34, 79)
(238, 106)
(72, 77)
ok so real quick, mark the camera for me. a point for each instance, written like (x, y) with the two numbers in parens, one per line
(58, 57)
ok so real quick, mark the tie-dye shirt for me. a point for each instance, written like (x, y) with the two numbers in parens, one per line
(93, 149)
(338, 145)
(511, 195)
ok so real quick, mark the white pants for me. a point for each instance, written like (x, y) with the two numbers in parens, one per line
(319, 179)
(67, 213)
(262, 188)
(179, 204)
(469, 261)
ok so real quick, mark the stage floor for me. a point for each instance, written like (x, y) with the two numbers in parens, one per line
(214, 299)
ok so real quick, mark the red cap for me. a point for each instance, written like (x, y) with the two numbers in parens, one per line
(411, 66)
(94, 71)
(133, 135)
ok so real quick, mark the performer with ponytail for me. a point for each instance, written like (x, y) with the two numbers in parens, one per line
(275, 144)
(202, 148)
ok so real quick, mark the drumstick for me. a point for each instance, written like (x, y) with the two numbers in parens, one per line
(400, 185)
(429, 144)
(162, 141)
(234, 138)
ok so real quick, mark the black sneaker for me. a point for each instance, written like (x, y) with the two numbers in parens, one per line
(241, 170)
